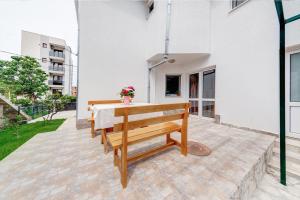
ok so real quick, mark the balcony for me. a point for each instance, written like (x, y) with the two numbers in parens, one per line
(59, 69)
(57, 55)
(56, 82)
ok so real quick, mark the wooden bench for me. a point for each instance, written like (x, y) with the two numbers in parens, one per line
(92, 120)
(129, 133)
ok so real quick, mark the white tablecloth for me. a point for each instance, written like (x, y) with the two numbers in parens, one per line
(105, 117)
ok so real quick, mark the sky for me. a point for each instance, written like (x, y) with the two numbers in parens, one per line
(56, 18)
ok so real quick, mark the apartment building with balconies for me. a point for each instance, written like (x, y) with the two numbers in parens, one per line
(54, 55)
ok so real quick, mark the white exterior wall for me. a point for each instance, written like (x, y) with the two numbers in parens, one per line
(112, 42)
(189, 28)
(243, 45)
(245, 51)
(292, 8)
(68, 75)
(31, 45)
(116, 40)
(244, 48)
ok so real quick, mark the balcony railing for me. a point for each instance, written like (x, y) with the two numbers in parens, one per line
(55, 82)
(57, 54)
(56, 68)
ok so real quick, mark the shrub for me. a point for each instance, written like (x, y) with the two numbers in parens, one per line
(23, 102)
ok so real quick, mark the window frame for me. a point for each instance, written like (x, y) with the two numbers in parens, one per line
(179, 85)
(238, 6)
(44, 60)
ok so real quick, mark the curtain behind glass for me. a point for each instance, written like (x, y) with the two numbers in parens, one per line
(194, 83)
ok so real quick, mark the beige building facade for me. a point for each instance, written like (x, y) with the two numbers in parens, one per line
(54, 55)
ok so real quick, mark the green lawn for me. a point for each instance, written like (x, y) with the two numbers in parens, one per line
(10, 142)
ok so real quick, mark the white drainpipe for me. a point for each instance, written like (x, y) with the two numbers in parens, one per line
(167, 39)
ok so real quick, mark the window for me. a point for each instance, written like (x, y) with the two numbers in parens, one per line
(44, 60)
(295, 78)
(173, 84)
(194, 107)
(209, 84)
(208, 93)
(208, 109)
(57, 91)
(44, 45)
(236, 3)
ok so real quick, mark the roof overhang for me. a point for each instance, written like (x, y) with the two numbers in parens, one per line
(180, 58)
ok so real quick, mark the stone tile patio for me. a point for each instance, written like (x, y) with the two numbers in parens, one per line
(271, 189)
(69, 164)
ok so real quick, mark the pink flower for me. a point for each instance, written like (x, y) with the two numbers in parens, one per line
(131, 87)
(125, 91)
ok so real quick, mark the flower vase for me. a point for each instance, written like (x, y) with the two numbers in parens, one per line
(127, 100)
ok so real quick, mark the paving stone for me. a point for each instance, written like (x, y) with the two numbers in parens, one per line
(69, 164)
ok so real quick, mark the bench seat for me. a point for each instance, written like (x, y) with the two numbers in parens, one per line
(131, 132)
(145, 133)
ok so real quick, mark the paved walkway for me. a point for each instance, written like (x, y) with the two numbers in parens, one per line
(59, 115)
(69, 164)
(271, 189)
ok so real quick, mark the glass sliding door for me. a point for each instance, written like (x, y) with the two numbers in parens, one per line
(208, 93)
(194, 110)
(194, 93)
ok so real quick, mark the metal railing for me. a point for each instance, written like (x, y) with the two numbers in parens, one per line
(36, 111)
(55, 82)
(58, 54)
(56, 68)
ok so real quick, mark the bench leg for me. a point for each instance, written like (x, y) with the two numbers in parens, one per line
(168, 138)
(104, 140)
(124, 166)
(115, 157)
(184, 131)
(184, 143)
(93, 129)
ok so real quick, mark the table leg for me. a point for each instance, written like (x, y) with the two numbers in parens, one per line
(105, 141)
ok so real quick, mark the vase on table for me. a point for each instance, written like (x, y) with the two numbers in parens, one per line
(127, 100)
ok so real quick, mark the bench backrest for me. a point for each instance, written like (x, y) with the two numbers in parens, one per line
(129, 125)
(95, 102)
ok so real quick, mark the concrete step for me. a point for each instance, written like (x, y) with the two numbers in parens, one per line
(291, 156)
(291, 144)
(292, 169)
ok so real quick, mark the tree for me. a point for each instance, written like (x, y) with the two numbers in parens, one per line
(15, 124)
(5, 88)
(25, 76)
(54, 104)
